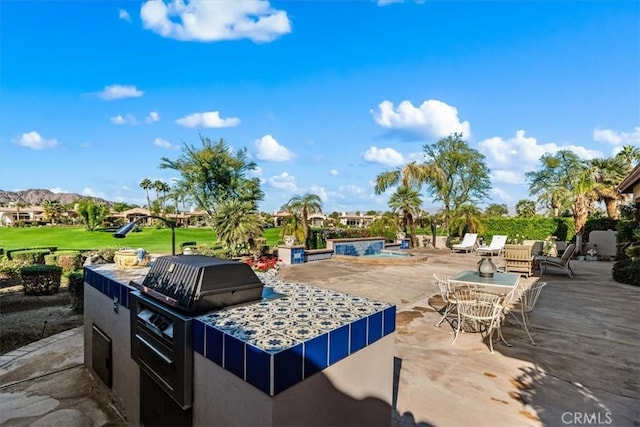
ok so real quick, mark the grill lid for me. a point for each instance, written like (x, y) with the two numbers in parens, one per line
(188, 281)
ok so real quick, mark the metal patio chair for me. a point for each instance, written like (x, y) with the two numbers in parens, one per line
(482, 310)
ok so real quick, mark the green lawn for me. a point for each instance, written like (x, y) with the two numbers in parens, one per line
(151, 239)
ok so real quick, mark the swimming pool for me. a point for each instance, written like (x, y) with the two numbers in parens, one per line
(383, 258)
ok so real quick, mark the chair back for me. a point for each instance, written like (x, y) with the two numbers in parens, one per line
(568, 253)
(442, 280)
(477, 304)
(530, 295)
(498, 241)
(469, 239)
(517, 252)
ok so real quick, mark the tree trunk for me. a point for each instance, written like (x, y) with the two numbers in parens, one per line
(612, 207)
(434, 228)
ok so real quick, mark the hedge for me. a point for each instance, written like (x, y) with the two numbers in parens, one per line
(11, 252)
(41, 279)
(31, 256)
(535, 228)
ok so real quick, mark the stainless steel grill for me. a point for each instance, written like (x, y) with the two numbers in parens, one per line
(175, 289)
(198, 283)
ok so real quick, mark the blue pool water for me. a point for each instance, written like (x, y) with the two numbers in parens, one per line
(387, 255)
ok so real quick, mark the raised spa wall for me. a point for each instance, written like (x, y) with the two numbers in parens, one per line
(313, 356)
(297, 254)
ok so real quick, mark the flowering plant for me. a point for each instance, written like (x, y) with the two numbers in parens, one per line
(265, 263)
(518, 239)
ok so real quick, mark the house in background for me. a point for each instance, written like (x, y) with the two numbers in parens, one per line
(631, 184)
(356, 220)
(12, 214)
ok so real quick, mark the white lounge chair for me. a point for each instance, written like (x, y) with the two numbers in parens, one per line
(495, 247)
(468, 243)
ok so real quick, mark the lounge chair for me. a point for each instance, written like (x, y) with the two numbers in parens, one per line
(495, 247)
(468, 243)
(563, 263)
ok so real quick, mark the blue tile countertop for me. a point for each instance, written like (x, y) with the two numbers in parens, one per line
(274, 343)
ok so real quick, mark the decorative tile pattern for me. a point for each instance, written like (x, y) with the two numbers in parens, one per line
(274, 343)
(358, 248)
(112, 281)
(296, 336)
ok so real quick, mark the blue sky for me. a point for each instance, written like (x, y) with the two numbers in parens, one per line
(325, 95)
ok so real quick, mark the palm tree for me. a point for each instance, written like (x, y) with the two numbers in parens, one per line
(411, 175)
(147, 185)
(608, 173)
(630, 155)
(385, 225)
(19, 205)
(292, 226)
(305, 205)
(236, 223)
(53, 210)
(468, 218)
(408, 201)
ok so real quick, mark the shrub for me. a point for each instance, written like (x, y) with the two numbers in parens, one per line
(70, 260)
(10, 269)
(627, 271)
(41, 279)
(31, 256)
(9, 253)
(76, 290)
(50, 259)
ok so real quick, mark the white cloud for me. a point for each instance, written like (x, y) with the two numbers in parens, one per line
(127, 119)
(58, 190)
(202, 20)
(507, 176)
(163, 143)
(433, 118)
(152, 117)
(384, 156)
(617, 138)
(388, 2)
(124, 15)
(522, 153)
(501, 195)
(209, 119)
(320, 192)
(34, 141)
(270, 150)
(284, 181)
(119, 91)
(333, 172)
(91, 193)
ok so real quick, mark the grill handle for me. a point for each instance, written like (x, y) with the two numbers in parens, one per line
(154, 350)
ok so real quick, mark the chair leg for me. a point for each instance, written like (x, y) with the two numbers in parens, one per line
(457, 330)
(525, 322)
(447, 310)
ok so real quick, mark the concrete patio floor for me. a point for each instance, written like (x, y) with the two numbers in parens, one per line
(584, 369)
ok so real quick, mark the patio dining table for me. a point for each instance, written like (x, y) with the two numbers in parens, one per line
(501, 283)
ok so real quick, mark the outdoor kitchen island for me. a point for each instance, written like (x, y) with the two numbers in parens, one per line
(299, 355)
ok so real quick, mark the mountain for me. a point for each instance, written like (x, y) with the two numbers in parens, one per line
(35, 197)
